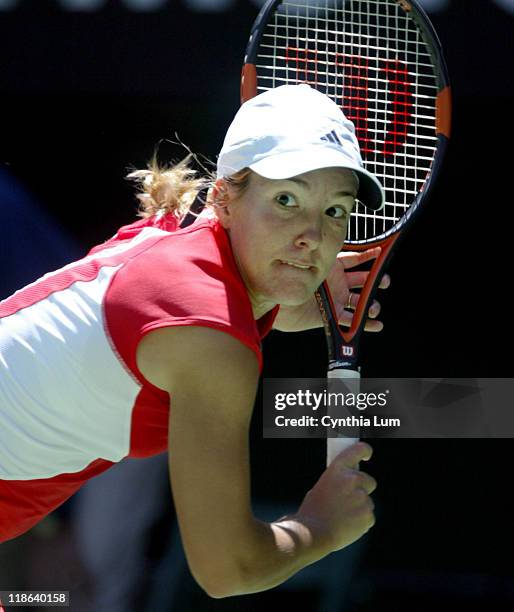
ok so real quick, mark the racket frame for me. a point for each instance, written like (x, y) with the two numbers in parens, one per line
(338, 339)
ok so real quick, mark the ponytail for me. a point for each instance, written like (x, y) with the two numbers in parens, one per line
(167, 189)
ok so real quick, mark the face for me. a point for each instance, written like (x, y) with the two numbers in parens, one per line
(285, 234)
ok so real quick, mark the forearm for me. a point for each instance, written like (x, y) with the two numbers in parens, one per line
(279, 550)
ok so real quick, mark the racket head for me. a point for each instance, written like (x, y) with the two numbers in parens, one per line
(382, 63)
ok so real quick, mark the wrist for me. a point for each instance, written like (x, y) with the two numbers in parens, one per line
(306, 535)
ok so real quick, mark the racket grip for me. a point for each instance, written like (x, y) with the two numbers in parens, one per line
(336, 445)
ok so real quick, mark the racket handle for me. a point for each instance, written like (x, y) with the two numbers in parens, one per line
(336, 445)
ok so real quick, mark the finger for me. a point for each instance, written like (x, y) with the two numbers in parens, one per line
(350, 456)
(351, 301)
(367, 482)
(357, 279)
(385, 282)
(372, 325)
(351, 259)
(374, 310)
(345, 318)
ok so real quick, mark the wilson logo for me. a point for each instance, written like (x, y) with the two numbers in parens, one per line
(361, 75)
(348, 351)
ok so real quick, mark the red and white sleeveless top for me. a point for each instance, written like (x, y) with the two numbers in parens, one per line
(72, 400)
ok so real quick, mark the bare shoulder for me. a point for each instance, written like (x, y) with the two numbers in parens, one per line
(172, 356)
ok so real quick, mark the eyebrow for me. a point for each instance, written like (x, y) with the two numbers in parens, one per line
(306, 185)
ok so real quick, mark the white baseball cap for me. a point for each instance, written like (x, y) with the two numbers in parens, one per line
(294, 129)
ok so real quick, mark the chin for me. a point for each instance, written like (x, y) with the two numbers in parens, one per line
(293, 298)
(289, 291)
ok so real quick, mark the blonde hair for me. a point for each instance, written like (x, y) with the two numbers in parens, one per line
(172, 189)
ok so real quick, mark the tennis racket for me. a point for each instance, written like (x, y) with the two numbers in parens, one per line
(382, 62)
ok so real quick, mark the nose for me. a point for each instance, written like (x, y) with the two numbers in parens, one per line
(310, 237)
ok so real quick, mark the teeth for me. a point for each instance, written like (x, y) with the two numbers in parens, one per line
(296, 265)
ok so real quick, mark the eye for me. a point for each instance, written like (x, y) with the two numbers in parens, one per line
(337, 212)
(286, 200)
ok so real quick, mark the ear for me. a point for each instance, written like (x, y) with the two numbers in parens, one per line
(221, 201)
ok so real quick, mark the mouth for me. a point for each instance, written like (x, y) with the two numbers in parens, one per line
(298, 265)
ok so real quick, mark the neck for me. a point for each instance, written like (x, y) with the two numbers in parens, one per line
(259, 306)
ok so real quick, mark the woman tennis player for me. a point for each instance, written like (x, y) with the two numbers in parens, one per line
(152, 342)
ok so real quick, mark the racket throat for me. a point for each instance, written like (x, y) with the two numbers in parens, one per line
(342, 348)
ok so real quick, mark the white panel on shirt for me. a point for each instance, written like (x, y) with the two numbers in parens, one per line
(66, 398)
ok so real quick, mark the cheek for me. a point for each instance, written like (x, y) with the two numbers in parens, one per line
(261, 235)
(250, 242)
(333, 243)
(334, 238)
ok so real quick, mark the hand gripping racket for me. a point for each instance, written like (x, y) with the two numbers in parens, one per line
(381, 61)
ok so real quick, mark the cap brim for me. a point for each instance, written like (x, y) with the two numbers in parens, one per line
(292, 163)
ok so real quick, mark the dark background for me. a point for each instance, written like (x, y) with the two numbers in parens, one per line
(85, 96)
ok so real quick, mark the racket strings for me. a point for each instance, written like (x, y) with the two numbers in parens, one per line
(310, 64)
(370, 57)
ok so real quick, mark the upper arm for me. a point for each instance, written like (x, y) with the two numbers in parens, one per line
(212, 380)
